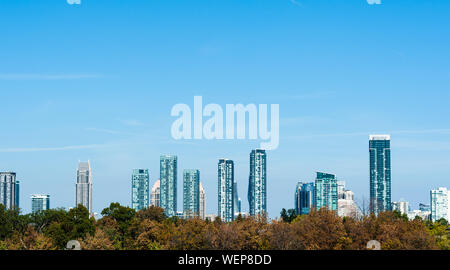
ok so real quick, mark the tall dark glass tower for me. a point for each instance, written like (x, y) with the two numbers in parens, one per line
(257, 188)
(304, 198)
(168, 184)
(191, 193)
(380, 173)
(225, 190)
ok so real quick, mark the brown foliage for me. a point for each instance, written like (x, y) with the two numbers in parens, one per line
(150, 229)
(246, 234)
(31, 240)
(192, 234)
(100, 241)
(321, 229)
(152, 235)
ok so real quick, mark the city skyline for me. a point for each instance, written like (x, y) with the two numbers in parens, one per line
(327, 191)
(101, 88)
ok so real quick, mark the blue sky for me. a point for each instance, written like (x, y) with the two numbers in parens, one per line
(97, 81)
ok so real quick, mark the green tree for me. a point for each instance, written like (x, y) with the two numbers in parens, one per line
(398, 215)
(79, 222)
(441, 232)
(41, 220)
(11, 221)
(122, 215)
(75, 225)
(288, 216)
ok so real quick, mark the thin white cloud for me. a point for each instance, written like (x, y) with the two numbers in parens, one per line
(423, 131)
(423, 145)
(110, 131)
(304, 120)
(350, 134)
(370, 2)
(353, 134)
(374, 2)
(46, 77)
(313, 95)
(74, 2)
(296, 2)
(131, 122)
(49, 149)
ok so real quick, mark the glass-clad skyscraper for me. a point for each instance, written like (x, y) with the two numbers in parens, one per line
(140, 189)
(304, 198)
(9, 190)
(40, 202)
(439, 203)
(84, 185)
(257, 188)
(326, 191)
(225, 192)
(380, 173)
(168, 184)
(191, 193)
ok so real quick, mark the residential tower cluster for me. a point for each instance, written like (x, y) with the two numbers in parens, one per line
(327, 190)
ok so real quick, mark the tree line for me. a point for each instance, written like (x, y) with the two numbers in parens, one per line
(123, 228)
